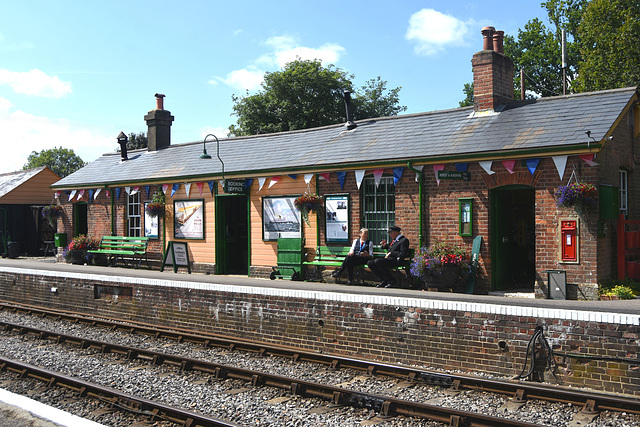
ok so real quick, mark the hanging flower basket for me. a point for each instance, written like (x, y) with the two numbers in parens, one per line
(578, 195)
(156, 207)
(51, 213)
(308, 203)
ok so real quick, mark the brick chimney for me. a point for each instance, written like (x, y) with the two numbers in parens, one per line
(159, 123)
(492, 73)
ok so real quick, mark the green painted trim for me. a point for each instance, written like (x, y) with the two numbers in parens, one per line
(459, 158)
(113, 215)
(318, 216)
(421, 240)
(248, 196)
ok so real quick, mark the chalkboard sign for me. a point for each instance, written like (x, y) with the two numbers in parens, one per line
(176, 255)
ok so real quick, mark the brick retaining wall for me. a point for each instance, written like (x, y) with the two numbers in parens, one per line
(436, 334)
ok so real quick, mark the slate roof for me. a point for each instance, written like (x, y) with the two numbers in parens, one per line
(541, 124)
(10, 181)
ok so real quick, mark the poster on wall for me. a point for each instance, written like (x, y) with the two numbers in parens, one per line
(150, 224)
(188, 219)
(280, 218)
(337, 218)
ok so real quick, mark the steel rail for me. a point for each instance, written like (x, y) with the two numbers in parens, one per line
(518, 390)
(127, 402)
(384, 405)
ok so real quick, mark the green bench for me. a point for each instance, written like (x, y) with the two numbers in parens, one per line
(333, 256)
(123, 247)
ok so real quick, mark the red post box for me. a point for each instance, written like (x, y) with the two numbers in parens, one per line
(569, 240)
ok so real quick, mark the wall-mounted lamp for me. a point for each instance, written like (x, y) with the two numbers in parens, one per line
(608, 138)
(204, 154)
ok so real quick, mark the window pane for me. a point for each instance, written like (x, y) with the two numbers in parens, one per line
(379, 207)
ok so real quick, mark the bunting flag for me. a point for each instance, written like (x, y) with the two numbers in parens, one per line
(486, 165)
(261, 182)
(95, 195)
(532, 165)
(420, 168)
(293, 176)
(273, 181)
(165, 187)
(199, 185)
(72, 194)
(135, 190)
(91, 194)
(397, 174)
(174, 188)
(588, 159)
(307, 178)
(462, 167)
(436, 169)
(127, 190)
(509, 164)
(326, 176)
(377, 175)
(107, 193)
(248, 182)
(359, 177)
(118, 190)
(147, 188)
(57, 194)
(341, 177)
(187, 188)
(561, 164)
(80, 194)
(211, 184)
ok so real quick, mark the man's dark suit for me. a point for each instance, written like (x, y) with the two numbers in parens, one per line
(398, 251)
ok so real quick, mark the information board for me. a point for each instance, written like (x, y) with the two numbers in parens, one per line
(176, 255)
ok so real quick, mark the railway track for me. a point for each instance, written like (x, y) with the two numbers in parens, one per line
(519, 391)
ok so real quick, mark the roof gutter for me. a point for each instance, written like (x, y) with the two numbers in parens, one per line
(457, 158)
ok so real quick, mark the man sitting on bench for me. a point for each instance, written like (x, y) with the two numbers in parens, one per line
(361, 252)
(398, 251)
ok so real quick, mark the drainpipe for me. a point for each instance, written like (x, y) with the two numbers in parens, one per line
(420, 199)
(113, 214)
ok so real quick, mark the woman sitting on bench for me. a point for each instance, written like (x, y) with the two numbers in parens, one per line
(361, 252)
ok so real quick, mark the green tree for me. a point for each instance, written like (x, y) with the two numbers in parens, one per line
(468, 91)
(610, 45)
(305, 95)
(137, 140)
(62, 161)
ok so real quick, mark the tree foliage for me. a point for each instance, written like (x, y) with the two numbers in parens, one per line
(62, 161)
(137, 140)
(610, 45)
(305, 95)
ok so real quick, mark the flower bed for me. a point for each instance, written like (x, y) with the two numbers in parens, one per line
(442, 265)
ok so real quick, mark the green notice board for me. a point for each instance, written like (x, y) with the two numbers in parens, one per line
(177, 255)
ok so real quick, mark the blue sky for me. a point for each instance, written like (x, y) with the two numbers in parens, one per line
(76, 73)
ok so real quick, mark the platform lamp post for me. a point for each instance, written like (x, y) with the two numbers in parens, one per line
(204, 154)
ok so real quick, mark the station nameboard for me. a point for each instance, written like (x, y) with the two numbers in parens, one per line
(234, 186)
(461, 176)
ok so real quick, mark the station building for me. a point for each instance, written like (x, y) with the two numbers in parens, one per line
(491, 170)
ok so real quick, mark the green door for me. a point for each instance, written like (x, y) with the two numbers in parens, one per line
(232, 234)
(513, 238)
(80, 219)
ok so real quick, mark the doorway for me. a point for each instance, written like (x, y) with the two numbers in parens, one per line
(513, 238)
(232, 234)
(80, 211)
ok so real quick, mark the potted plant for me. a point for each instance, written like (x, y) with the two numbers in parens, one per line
(442, 265)
(76, 251)
(51, 213)
(308, 203)
(579, 195)
(156, 207)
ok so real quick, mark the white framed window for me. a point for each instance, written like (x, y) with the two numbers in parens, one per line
(624, 192)
(134, 217)
(379, 207)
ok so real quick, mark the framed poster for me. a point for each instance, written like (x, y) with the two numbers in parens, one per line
(188, 219)
(280, 218)
(337, 218)
(150, 224)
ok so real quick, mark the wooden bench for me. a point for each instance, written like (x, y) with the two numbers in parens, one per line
(123, 247)
(333, 256)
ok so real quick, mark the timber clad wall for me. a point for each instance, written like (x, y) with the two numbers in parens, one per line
(395, 333)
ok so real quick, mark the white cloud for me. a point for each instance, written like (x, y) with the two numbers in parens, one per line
(433, 31)
(219, 132)
(35, 82)
(25, 132)
(284, 49)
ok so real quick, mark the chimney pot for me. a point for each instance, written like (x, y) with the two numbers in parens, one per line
(487, 33)
(159, 101)
(347, 102)
(122, 140)
(498, 41)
